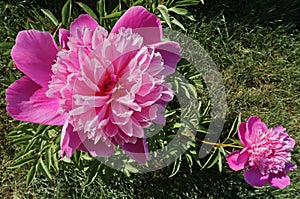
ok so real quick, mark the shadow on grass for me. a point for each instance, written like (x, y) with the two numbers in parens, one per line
(269, 12)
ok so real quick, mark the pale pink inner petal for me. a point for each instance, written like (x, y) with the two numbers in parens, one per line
(112, 86)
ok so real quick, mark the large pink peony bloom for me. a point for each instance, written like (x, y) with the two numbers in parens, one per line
(103, 88)
(267, 152)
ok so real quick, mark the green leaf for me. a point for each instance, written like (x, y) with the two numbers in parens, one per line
(176, 167)
(182, 11)
(177, 23)
(130, 168)
(93, 172)
(138, 3)
(55, 162)
(165, 14)
(220, 162)
(6, 45)
(179, 11)
(49, 14)
(101, 10)
(190, 161)
(113, 15)
(186, 3)
(66, 13)
(42, 166)
(215, 158)
(30, 145)
(21, 139)
(88, 10)
(23, 161)
(30, 175)
(7, 52)
(48, 158)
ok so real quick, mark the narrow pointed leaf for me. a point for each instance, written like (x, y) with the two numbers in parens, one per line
(43, 168)
(88, 10)
(30, 175)
(165, 14)
(23, 161)
(66, 13)
(50, 16)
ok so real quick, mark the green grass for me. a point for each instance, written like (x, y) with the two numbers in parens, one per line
(256, 47)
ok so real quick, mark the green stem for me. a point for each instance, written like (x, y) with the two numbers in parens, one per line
(219, 144)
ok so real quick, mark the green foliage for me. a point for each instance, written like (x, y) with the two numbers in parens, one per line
(39, 148)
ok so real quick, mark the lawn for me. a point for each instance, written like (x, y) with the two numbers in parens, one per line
(256, 47)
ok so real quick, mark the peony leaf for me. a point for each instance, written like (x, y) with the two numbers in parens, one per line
(66, 13)
(6, 45)
(42, 166)
(23, 161)
(30, 175)
(177, 23)
(88, 10)
(184, 3)
(165, 14)
(176, 167)
(93, 169)
(50, 16)
(113, 15)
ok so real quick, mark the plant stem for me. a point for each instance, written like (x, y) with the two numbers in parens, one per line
(219, 144)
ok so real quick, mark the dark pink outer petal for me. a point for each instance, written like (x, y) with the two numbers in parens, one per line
(34, 53)
(138, 151)
(170, 52)
(232, 161)
(27, 102)
(70, 140)
(142, 22)
(63, 38)
(253, 125)
(280, 180)
(83, 20)
(254, 178)
(242, 132)
(243, 157)
(289, 166)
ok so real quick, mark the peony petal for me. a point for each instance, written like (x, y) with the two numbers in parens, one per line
(70, 140)
(232, 161)
(34, 53)
(138, 151)
(289, 166)
(291, 141)
(170, 52)
(63, 35)
(243, 157)
(280, 180)
(99, 149)
(250, 122)
(27, 102)
(242, 132)
(83, 20)
(145, 24)
(259, 126)
(254, 178)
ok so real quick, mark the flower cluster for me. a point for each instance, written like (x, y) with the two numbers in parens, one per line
(266, 151)
(103, 88)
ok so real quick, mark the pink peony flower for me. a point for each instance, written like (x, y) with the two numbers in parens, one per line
(103, 88)
(267, 152)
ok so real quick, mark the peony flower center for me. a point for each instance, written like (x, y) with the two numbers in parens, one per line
(269, 151)
(106, 87)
